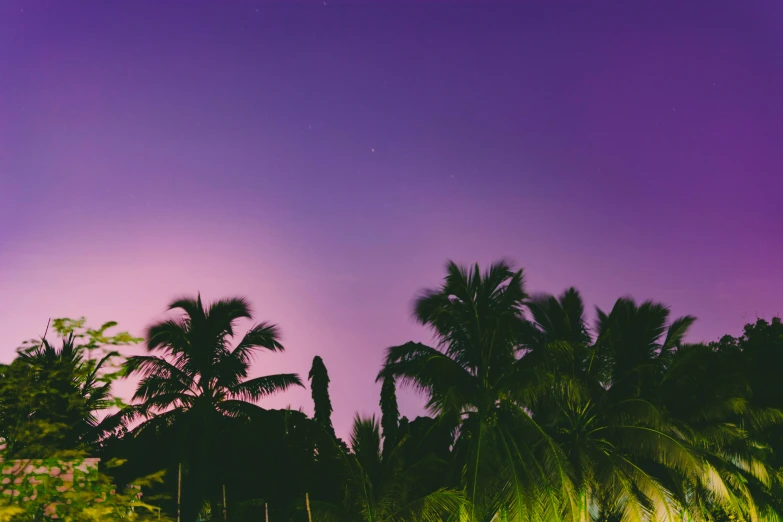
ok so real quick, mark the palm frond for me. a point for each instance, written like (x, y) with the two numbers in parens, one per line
(263, 335)
(426, 369)
(239, 409)
(169, 335)
(677, 331)
(255, 389)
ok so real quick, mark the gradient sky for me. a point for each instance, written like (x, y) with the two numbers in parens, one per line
(326, 160)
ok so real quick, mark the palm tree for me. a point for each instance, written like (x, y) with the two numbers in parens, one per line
(620, 444)
(199, 379)
(51, 397)
(387, 489)
(507, 463)
(635, 341)
(612, 413)
(553, 423)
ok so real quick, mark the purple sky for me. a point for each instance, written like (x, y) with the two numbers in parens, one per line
(150, 149)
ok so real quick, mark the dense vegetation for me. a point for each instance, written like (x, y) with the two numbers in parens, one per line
(533, 415)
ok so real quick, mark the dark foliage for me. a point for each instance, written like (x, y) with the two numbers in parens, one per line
(537, 414)
(390, 414)
(319, 386)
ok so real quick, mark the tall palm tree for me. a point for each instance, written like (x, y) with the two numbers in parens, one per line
(632, 458)
(198, 378)
(507, 463)
(387, 489)
(198, 368)
(635, 341)
(604, 440)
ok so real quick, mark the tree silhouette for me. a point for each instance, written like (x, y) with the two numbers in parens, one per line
(50, 397)
(473, 377)
(391, 489)
(390, 414)
(319, 386)
(536, 415)
(199, 379)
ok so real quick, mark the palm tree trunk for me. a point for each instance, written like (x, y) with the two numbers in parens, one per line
(307, 502)
(179, 492)
(266, 511)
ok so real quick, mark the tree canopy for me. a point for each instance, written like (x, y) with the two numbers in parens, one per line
(536, 412)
